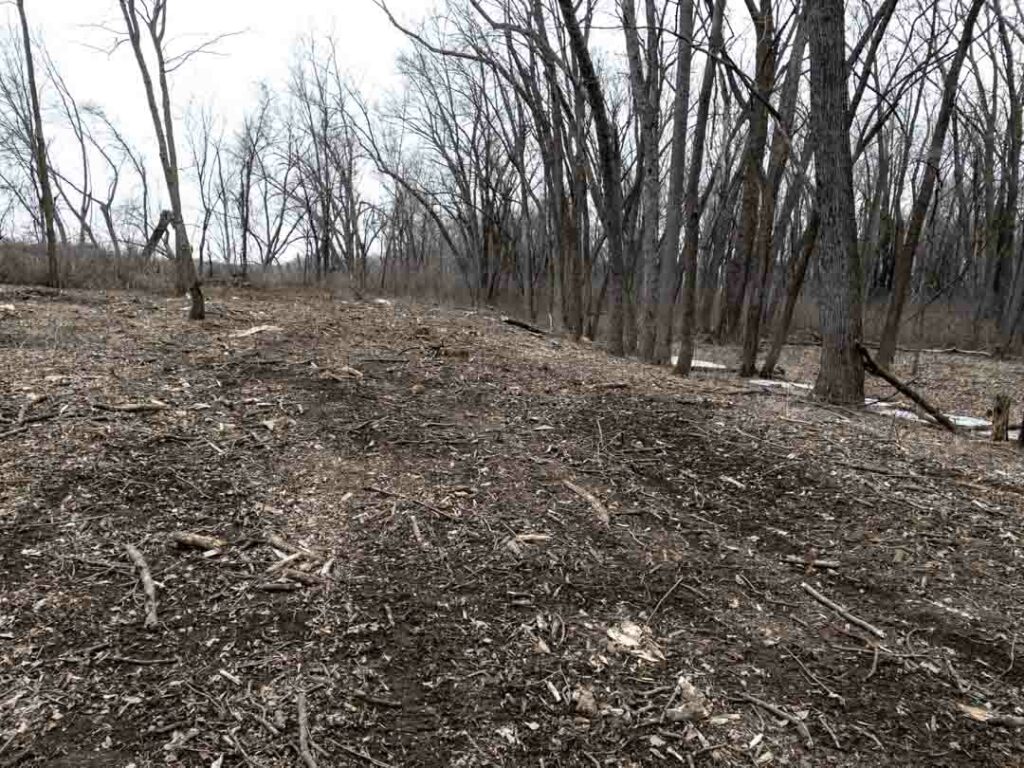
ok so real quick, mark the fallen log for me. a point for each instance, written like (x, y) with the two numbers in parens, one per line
(876, 370)
(523, 326)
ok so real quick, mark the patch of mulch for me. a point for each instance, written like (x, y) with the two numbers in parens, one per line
(435, 539)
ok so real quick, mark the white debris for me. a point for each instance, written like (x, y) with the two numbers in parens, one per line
(785, 386)
(701, 365)
(256, 330)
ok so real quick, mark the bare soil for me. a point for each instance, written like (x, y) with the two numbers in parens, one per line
(503, 550)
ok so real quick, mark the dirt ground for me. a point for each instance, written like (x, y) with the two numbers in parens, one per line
(448, 542)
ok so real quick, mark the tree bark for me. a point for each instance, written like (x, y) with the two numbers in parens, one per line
(646, 98)
(841, 374)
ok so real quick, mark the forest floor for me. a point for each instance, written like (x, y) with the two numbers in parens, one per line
(449, 542)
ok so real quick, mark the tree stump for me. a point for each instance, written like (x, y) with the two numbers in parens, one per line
(1001, 418)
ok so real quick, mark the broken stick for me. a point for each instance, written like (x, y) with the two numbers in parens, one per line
(875, 370)
(599, 509)
(307, 755)
(797, 560)
(147, 585)
(842, 611)
(801, 726)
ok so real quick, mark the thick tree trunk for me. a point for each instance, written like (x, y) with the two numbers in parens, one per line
(841, 375)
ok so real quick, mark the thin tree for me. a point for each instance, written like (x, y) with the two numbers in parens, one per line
(154, 20)
(45, 191)
(904, 266)
(610, 161)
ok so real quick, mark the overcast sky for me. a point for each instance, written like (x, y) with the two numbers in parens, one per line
(80, 33)
(269, 28)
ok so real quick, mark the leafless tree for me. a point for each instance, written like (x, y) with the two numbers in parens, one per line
(142, 18)
(46, 204)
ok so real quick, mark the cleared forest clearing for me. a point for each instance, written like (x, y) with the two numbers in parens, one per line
(446, 541)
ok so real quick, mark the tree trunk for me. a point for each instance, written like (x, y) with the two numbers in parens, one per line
(797, 273)
(676, 180)
(691, 204)
(841, 375)
(646, 98)
(611, 173)
(46, 204)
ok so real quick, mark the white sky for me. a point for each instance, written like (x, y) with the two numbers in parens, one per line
(366, 44)
(71, 30)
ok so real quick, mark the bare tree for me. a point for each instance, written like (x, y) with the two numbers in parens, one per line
(139, 16)
(46, 204)
(905, 257)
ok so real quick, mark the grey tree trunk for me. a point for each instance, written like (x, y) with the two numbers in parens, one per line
(610, 161)
(691, 203)
(841, 375)
(676, 180)
(646, 97)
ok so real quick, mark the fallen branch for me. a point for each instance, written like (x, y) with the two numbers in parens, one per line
(361, 755)
(13, 432)
(524, 326)
(599, 509)
(417, 502)
(679, 583)
(801, 726)
(278, 542)
(842, 611)
(278, 586)
(147, 585)
(307, 755)
(796, 560)
(875, 370)
(289, 560)
(982, 715)
(153, 405)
